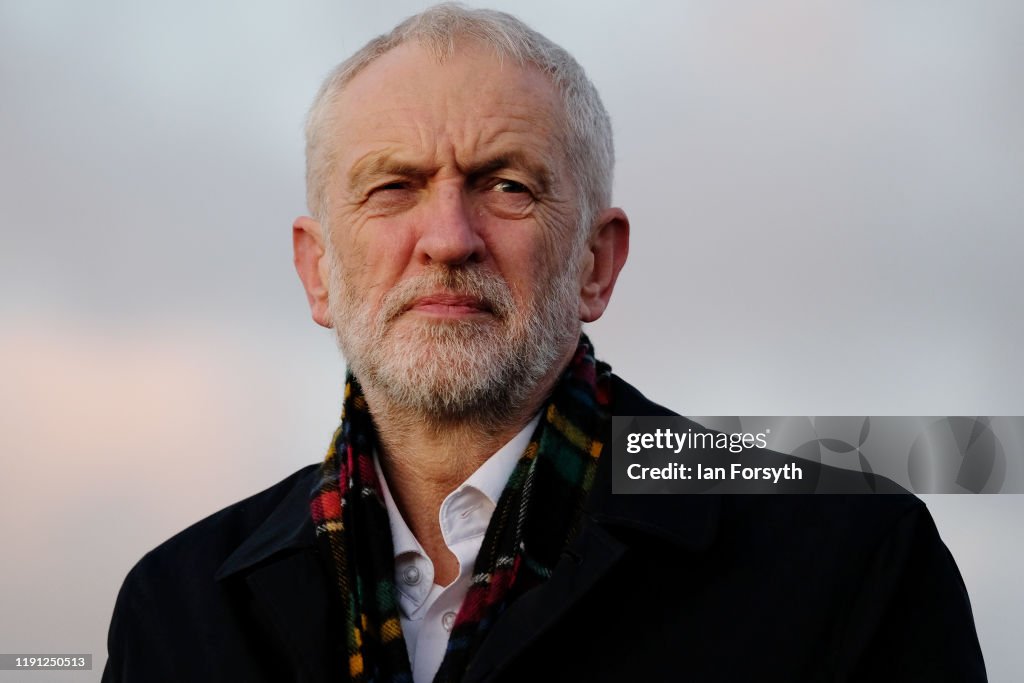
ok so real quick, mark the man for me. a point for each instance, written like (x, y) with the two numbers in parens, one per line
(462, 526)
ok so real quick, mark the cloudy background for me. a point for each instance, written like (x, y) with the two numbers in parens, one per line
(827, 211)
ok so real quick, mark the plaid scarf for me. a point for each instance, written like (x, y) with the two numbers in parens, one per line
(536, 516)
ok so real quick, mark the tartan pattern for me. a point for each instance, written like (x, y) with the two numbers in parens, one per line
(536, 516)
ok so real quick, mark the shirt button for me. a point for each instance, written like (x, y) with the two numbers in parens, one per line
(448, 620)
(411, 575)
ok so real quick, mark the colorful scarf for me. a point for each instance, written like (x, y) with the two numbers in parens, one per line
(536, 516)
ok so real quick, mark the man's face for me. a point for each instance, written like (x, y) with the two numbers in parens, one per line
(452, 225)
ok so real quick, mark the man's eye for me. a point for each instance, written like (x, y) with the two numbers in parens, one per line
(509, 186)
(388, 198)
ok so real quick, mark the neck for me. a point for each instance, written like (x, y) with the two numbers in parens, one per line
(425, 458)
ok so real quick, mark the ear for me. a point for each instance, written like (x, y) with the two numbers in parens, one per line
(607, 251)
(311, 265)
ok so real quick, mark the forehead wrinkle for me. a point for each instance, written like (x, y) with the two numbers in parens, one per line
(543, 132)
(528, 145)
(446, 133)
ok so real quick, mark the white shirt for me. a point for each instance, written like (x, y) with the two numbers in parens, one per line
(427, 610)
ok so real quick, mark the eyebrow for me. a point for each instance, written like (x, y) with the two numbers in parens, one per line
(382, 164)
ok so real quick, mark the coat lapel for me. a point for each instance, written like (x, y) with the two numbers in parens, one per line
(589, 557)
(290, 593)
(690, 522)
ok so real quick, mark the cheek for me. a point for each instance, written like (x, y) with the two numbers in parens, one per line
(523, 257)
(374, 253)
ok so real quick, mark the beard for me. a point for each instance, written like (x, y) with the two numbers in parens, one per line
(483, 369)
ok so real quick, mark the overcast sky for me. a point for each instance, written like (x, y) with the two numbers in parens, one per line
(827, 211)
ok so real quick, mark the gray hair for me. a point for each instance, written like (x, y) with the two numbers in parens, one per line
(589, 148)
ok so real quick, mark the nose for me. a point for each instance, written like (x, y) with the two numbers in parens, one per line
(448, 230)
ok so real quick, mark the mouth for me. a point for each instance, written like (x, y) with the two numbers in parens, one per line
(451, 306)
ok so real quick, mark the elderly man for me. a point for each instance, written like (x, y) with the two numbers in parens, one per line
(462, 526)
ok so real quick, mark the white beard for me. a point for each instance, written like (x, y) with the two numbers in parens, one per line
(483, 371)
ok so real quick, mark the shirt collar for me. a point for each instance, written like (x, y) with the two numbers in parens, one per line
(401, 536)
(489, 479)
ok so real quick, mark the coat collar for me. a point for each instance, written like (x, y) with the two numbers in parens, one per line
(288, 527)
(290, 590)
(690, 521)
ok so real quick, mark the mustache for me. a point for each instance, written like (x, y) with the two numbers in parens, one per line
(488, 288)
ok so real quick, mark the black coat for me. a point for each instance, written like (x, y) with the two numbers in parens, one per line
(660, 587)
